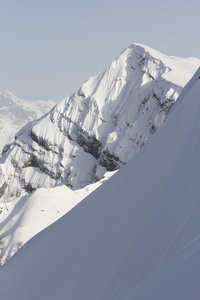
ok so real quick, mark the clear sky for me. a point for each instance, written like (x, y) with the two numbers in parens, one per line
(48, 48)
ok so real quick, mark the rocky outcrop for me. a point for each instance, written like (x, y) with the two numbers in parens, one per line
(3, 188)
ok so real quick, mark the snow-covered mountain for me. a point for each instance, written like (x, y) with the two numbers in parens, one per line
(15, 113)
(98, 128)
(136, 237)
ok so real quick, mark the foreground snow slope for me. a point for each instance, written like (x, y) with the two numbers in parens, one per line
(24, 217)
(132, 226)
(98, 128)
(15, 113)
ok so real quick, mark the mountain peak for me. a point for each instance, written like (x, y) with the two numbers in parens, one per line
(104, 123)
(97, 129)
(7, 94)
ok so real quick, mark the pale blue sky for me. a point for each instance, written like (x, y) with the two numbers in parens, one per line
(48, 48)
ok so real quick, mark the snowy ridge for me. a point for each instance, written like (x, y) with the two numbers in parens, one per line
(98, 128)
(136, 237)
(15, 113)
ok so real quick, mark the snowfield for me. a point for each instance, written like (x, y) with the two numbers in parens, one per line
(135, 237)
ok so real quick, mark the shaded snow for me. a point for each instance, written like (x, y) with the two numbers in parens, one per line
(177, 279)
(135, 225)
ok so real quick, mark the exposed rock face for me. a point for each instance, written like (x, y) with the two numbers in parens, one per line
(3, 188)
(100, 127)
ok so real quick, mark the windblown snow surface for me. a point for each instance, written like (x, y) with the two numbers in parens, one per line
(136, 237)
(84, 139)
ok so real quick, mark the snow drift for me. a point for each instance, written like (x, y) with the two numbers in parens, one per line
(136, 224)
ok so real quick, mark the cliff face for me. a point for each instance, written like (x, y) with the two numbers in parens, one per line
(100, 127)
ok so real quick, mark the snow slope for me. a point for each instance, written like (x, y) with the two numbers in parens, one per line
(178, 279)
(15, 113)
(132, 228)
(98, 128)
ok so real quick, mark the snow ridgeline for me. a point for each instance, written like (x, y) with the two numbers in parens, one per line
(136, 237)
(100, 127)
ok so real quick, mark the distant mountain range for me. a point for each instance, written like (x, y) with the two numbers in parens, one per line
(15, 113)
